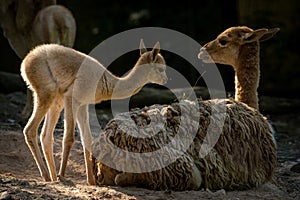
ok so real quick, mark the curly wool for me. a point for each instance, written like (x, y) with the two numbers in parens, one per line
(244, 155)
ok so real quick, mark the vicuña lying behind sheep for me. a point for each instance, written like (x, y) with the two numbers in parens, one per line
(239, 47)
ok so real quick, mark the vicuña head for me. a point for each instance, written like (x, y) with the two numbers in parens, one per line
(239, 47)
(61, 77)
(156, 70)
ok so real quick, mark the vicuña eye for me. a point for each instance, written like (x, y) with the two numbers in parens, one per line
(222, 42)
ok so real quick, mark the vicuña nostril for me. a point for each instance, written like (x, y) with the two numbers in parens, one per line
(202, 53)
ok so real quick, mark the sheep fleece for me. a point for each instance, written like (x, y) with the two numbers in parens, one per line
(244, 155)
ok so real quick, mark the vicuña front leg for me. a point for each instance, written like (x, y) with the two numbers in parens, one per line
(86, 137)
(47, 136)
(69, 133)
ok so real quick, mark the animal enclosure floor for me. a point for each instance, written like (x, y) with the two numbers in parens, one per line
(20, 179)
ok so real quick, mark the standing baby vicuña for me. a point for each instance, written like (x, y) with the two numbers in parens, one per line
(61, 77)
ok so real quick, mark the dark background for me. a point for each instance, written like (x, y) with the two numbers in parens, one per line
(201, 20)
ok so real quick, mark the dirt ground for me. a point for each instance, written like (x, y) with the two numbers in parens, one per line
(20, 179)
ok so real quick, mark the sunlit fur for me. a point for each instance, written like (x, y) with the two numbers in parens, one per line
(239, 47)
(61, 77)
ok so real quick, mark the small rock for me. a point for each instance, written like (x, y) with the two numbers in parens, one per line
(24, 183)
(107, 196)
(168, 192)
(221, 192)
(11, 120)
(296, 168)
(65, 181)
(5, 196)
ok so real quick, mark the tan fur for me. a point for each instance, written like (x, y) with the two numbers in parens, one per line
(243, 157)
(54, 24)
(239, 47)
(61, 77)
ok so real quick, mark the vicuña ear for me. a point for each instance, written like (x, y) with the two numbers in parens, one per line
(155, 51)
(143, 49)
(254, 35)
(271, 32)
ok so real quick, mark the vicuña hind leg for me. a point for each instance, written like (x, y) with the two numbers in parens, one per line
(47, 135)
(41, 105)
(69, 133)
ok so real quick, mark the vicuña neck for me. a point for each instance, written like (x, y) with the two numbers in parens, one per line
(247, 75)
(122, 87)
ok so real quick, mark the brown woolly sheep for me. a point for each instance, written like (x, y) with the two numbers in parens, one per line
(243, 157)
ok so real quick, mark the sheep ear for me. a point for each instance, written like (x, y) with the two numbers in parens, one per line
(155, 51)
(271, 32)
(254, 35)
(143, 49)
